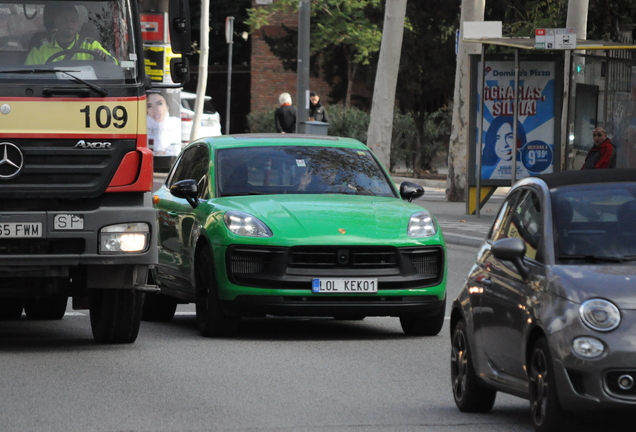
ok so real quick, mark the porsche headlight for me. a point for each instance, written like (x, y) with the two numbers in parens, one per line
(421, 225)
(600, 315)
(244, 224)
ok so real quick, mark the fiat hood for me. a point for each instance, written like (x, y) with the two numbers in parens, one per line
(329, 219)
(614, 282)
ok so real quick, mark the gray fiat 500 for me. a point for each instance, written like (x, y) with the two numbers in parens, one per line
(548, 311)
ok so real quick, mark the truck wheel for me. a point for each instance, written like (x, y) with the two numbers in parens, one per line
(429, 325)
(46, 308)
(211, 319)
(115, 315)
(158, 307)
(10, 309)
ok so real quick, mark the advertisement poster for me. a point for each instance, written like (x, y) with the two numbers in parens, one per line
(536, 119)
(164, 122)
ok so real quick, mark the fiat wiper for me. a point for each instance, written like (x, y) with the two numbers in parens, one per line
(98, 89)
(592, 258)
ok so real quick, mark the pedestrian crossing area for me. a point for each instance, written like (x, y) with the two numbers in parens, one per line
(465, 226)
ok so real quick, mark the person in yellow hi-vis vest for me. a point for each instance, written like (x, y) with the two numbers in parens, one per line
(66, 43)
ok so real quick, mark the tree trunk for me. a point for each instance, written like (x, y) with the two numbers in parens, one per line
(457, 182)
(381, 121)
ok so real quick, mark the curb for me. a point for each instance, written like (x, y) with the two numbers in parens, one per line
(463, 240)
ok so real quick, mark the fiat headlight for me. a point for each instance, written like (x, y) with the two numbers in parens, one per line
(244, 224)
(588, 347)
(124, 238)
(600, 315)
(421, 225)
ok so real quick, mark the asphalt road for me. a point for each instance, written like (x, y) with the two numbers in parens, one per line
(288, 375)
(278, 375)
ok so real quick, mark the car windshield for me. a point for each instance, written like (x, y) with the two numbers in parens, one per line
(595, 223)
(91, 40)
(299, 170)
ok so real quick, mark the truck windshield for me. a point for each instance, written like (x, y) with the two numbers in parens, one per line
(90, 40)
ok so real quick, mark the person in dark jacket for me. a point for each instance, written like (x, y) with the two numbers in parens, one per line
(603, 152)
(285, 115)
(317, 112)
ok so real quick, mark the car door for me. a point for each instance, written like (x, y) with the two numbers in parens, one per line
(177, 218)
(505, 303)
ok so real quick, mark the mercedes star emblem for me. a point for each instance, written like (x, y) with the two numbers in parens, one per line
(11, 162)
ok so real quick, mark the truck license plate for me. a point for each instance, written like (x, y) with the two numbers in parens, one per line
(20, 229)
(344, 285)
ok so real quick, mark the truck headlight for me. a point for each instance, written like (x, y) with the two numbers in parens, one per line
(600, 315)
(244, 224)
(421, 225)
(124, 238)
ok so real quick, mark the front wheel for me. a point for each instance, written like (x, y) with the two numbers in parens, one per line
(429, 325)
(547, 414)
(211, 319)
(116, 315)
(468, 394)
(46, 308)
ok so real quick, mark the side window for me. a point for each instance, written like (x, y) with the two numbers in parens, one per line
(193, 164)
(527, 223)
(499, 228)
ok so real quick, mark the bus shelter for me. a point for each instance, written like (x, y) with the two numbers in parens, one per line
(535, 111)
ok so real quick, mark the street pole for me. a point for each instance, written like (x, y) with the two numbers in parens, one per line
(229, 38)
(302, 85)
(203, 69)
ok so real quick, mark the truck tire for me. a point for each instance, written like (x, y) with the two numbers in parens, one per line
(115, 315)
(10, 309)
(46, 308)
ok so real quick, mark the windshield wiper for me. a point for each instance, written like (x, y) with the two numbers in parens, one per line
(593, 258)
(98, 89)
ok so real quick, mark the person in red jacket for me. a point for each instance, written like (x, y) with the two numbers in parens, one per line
(603, 152)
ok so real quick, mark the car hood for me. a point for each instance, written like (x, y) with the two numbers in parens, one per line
(329, 219)
(579, 283)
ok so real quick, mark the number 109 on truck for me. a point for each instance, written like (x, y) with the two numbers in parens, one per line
(76, 217)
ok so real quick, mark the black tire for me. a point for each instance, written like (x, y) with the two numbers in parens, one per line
(469, 396)
(211, 320)
(158, 308)
(547, 414)
(46, 308)
(115, 315)
(10, 309)
(429, 325)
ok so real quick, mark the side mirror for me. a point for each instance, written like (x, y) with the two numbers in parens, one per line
(179, 70)
(513, 250)
(180, 38)
(186, 189)
(410, 190)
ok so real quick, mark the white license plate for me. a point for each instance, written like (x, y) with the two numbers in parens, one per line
(20, 229)
(344, 285)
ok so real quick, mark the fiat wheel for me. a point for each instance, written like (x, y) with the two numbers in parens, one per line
(547, 414)
(468, 394)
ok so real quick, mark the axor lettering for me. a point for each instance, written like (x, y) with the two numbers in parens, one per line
(92, 145)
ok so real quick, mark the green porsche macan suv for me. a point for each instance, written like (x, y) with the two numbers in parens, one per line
(294, 225)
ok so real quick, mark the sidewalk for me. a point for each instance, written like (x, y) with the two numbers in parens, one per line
(458, 227)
